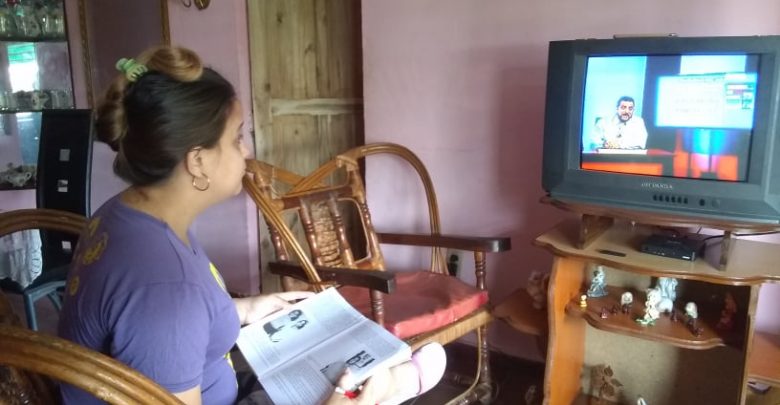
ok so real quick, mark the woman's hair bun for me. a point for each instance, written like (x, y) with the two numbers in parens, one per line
(180, 64)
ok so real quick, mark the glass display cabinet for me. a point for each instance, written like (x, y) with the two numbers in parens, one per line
(35, 75)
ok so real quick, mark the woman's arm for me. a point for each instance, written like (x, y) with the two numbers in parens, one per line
(190, 397)
(251, 309)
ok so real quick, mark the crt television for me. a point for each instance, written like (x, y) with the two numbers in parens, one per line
(677, 125)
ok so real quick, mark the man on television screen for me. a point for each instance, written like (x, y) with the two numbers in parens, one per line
(623, 130)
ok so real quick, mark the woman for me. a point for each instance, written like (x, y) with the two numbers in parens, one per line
(141, 288)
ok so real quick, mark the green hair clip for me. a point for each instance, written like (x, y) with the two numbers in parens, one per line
(132, 69)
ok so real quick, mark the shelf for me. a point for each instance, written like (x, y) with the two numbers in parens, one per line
(33, 39)
(585, 399)
(764, 362)
(5, 187)
(8, 111)
(518, 312)
(665, 330)
(751, 262)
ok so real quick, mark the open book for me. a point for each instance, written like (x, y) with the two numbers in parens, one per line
(299, 354)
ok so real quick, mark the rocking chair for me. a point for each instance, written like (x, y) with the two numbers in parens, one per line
(31, 362)
(417, 306)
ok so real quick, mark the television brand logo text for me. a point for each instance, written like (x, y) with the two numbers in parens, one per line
(656, 185)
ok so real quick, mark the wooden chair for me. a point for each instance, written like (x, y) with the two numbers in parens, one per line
(30, 361)
(54, 222)
(418, 306)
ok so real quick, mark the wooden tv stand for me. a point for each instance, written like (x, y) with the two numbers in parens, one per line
(665, 363)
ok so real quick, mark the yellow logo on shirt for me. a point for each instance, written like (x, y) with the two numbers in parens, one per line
(92, 253)
(221, 283)
(217, 276)
(93, 226)
(73, 285)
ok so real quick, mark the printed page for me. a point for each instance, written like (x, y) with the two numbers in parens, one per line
(303, 367)
(311, 378)
(364, 349)
(286, 335)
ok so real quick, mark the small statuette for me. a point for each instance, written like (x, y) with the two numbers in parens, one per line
(615, 309)
(726, 321)
(651, 307)
(692, 314)
(537, 288)
(626, 299)
(673, 316)
(597, 283)
(667, 287)
(583, 301)
(604, 313)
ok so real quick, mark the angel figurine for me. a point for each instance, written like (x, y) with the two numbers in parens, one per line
(667, 287)
(651, 307)
(597, 283)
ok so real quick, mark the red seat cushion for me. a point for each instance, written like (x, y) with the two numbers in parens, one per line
(422, 302)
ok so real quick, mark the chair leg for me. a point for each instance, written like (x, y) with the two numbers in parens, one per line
(54, 297)
(29, 312)
(481, 390)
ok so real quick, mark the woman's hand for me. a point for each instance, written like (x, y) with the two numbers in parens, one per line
(374, 389)
(251, 309)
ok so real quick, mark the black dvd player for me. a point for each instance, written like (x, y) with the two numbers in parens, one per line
(676, 247)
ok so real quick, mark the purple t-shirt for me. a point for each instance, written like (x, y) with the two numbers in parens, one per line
(137, 293)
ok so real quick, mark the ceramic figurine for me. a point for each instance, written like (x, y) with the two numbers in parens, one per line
(615, 309)
(651, 307)
(625, 301)
(667, 287)
(597, 283)
(726, 321)
(604, 313)
(537, 288)
(692, 314)
(583, 301)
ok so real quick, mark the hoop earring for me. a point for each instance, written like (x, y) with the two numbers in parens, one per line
(195, 184)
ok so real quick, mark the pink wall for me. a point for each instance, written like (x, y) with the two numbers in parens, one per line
(462, 83)
(228, 231)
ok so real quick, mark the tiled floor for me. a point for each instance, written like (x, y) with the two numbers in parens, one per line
(516, 381)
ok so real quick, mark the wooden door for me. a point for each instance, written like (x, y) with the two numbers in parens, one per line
(306, 72)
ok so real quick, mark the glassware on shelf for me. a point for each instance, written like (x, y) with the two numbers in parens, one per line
(52, 19)
(25, 17)
(60, 98)
(7, 22)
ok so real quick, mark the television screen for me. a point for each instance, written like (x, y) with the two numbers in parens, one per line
(688, 116)
(674, 125)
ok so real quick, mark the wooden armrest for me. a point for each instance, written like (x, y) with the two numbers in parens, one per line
(471, 243)
(382, 281)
